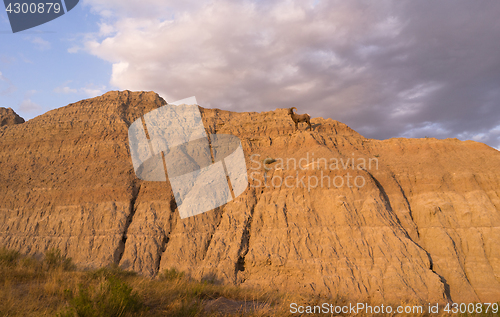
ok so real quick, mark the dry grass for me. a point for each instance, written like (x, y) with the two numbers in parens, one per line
(52, 287)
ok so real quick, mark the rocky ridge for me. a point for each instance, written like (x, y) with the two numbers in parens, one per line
(9, 117)
(424, 226)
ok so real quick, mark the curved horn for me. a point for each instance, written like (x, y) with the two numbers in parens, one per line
(291, 109)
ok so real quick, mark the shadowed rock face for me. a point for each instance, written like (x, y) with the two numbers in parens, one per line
(419, 220)
(9, 117)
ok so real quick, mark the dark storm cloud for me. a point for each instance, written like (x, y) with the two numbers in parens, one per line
(455, 46)
(386, 68)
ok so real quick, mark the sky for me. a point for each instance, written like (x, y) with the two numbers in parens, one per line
(387, 69)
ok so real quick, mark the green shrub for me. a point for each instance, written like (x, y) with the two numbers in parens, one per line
(8, 257)
(30, 263)
(171, 274)
(54, 259)
(112, 298)
(199, 290)
(15, 267)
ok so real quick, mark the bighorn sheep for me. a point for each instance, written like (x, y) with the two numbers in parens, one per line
(299, 118)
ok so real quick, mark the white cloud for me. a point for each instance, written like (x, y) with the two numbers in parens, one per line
(90, 90)
(419, 91)
(24, 59)
(27, 105)
(426, 129)
(73, 49)
(217, 48)
(496, 130)
(413, 101)
(7, 87)
(4, 20)
(489, 136)
(391, 27)
(64, 89)
(106, 29)
(145, 9)
(405, 109)
(7, 60)
(40, 43)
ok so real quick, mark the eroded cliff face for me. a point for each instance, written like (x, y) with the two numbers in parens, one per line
(411, 219)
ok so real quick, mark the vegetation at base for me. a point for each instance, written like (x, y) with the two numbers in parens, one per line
(8, 258)
(50, 285)
(171, 274)
(110, 298)
(54, 259)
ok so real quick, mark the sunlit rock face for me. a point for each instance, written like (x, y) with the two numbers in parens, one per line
(326, 211)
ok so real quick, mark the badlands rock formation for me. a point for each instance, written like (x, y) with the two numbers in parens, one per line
(411, 219)
(9, 117)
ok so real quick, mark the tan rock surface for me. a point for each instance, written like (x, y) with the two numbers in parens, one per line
(424, 226)
(9, 117)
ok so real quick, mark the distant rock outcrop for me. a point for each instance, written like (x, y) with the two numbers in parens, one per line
(411, 219)
(9, 117)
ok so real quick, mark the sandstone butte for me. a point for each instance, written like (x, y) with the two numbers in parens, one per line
(425, 227)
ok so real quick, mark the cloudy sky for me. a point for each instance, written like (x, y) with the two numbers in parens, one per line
(385, 68)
